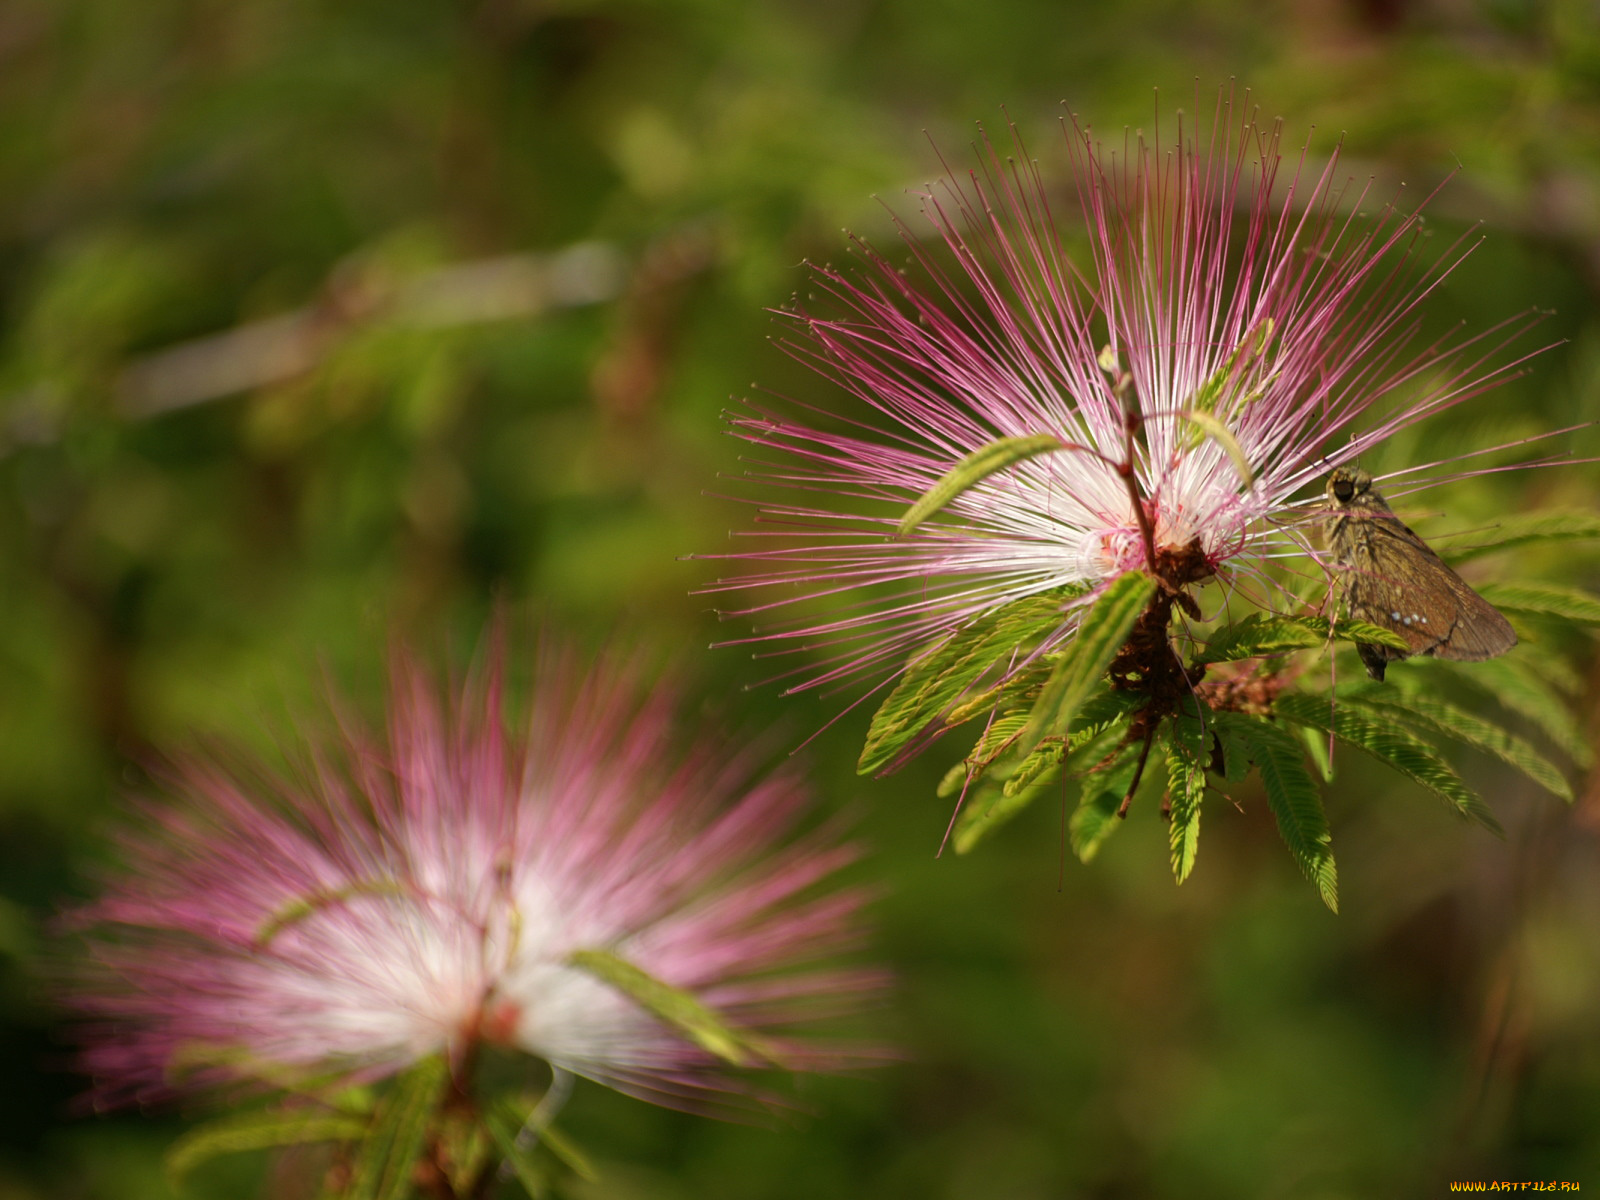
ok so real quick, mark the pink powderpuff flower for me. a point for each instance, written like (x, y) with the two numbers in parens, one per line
(424, 893)
(1231, 336)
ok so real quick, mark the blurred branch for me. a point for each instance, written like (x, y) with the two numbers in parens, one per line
(279, 348)
(273, 350)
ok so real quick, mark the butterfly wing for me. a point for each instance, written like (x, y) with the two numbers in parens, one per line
(1397, 582)
(1481, 631)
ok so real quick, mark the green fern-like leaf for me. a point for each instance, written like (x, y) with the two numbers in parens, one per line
(1555, 670)
(1232, 748)
(1082, 665)
(1544, 600)
(1391, 745)
(1046, 759)
(325, 1089)
(1095, 819)
(1101, 712)
(1208, 426)
(992, 805)
(1186, 741)
(956, 778)
(1521, 531)
(1234, 372)
(1019, 689)
(1260, 636)
(1522, 689)
(1317, 750)
(974, 469)
(996, 736)
(399, 1133)
(1293, 796)
(680, 1009)
(932, 682)
(1428, 714)
(257, 1130)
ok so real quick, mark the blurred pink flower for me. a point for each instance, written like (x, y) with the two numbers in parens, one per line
(424, 893)
(1218, 302)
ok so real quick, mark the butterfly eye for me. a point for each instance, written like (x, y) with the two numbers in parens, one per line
(1343, 489)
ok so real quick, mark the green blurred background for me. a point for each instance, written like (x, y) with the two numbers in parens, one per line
(327, 322)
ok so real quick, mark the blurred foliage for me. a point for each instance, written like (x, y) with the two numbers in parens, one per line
(266, 403)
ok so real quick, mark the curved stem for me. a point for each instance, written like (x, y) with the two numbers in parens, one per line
(1132, 423)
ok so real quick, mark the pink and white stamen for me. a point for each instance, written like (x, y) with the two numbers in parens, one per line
(1218, 280)
(424, 892)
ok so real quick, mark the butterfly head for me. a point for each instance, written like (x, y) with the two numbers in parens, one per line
(1349, 486)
